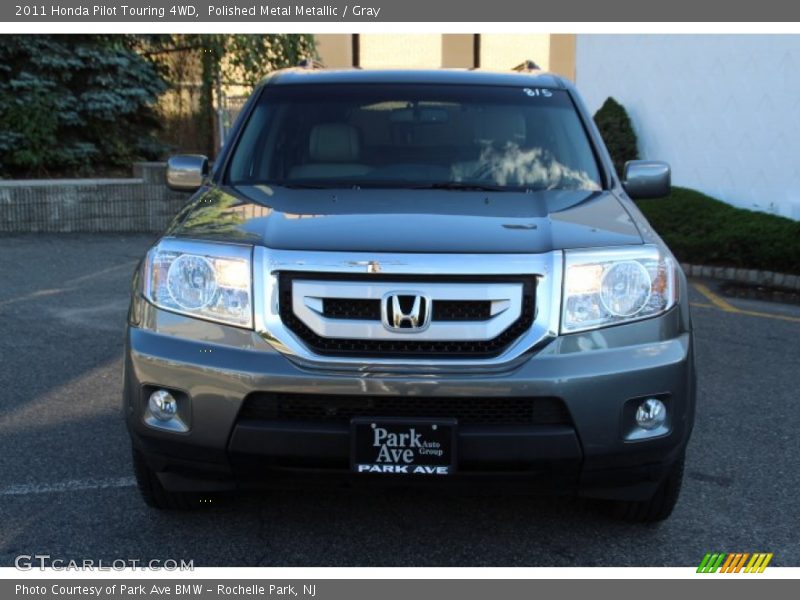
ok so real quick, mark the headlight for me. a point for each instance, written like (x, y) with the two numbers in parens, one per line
(611, 286)
(205, 280)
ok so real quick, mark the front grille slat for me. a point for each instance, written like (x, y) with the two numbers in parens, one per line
(467, 410)
(406, 348)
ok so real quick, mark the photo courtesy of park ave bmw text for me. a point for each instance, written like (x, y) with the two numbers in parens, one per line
(399, 285)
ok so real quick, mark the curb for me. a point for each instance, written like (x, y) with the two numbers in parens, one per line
(746, 276)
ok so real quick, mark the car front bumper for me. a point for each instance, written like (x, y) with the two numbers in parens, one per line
(597, 375)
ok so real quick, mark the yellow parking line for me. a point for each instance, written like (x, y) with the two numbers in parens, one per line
(720, 303)
(763, 315)
(701, 305)
(715, 300)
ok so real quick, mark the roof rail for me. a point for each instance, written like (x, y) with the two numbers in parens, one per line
(310, 63)
(527, 65)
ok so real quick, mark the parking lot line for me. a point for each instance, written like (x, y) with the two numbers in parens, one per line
(763, 315)
(23, 489)
(715, 300)
(701, 304)
(724, 305)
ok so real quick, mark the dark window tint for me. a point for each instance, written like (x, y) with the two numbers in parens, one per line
(401, 135)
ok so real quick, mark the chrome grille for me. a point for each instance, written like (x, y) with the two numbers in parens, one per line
(471, 316)
(538, 321)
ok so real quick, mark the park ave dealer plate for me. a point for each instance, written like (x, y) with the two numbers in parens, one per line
(403, 446)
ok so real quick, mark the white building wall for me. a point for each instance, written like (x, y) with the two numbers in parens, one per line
(418, 50)
(723, 110)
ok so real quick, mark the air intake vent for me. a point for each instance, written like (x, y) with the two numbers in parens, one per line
(468, 410)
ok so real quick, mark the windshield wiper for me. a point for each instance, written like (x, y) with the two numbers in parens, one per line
(310, 186)
(439, 185)
(465, 186)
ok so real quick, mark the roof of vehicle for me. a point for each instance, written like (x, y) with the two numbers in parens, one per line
(441, 76)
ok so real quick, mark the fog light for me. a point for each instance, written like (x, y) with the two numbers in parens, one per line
(163, 406)
(651, 414)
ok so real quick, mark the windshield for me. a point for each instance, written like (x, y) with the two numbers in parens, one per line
(402, 135)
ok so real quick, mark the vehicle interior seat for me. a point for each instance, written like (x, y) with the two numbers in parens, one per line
(334, 150)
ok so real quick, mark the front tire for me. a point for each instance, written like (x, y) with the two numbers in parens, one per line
(660, 506)
(154, 494)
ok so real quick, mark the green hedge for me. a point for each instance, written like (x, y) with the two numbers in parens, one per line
(704, 231)
(617, 131)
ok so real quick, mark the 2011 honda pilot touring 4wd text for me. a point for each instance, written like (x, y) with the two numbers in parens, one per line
(412, 277)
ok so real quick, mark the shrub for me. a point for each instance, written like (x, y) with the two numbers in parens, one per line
(68, 102)
(703, 230)
(615, 126)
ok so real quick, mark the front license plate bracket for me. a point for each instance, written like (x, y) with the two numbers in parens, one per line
(400, 446)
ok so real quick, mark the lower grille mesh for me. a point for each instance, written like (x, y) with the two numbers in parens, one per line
(468, 410)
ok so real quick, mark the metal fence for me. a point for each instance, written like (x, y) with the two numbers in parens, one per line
(227, 112)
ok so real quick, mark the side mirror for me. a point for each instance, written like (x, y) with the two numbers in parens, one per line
(647, 179)
(186, 172)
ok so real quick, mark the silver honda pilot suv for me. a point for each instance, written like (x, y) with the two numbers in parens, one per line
(413, 278)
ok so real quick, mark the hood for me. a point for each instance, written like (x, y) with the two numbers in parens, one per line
(402, 220)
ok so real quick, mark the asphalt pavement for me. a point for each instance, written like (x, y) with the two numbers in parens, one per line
(66, 487)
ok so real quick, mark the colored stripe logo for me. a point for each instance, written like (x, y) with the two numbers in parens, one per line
(734, 562)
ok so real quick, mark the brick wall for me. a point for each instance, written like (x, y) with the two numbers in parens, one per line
(142, 203)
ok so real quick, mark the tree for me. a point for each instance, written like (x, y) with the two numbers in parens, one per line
(615, 126)
(71, 101)
(229, 59)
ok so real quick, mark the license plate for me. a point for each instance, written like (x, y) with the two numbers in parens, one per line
(403, 446)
